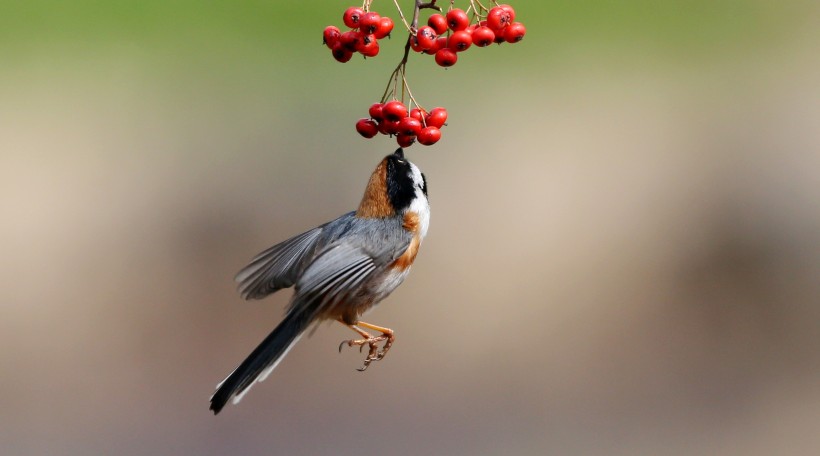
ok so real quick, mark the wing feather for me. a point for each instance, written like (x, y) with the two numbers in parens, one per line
(276, 267)
(333, 276)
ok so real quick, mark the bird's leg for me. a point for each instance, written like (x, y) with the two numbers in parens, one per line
(387, 335)
(373, 342)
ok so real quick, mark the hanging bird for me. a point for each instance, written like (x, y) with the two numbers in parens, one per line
(340, 271)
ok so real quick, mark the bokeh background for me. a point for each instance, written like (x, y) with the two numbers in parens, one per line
(623, 259)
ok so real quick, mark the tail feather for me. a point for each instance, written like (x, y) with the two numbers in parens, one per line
(261, 362)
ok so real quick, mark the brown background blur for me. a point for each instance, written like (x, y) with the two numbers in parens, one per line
(623, 256)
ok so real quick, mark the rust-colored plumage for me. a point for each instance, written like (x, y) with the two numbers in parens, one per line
(409, 256)
(411, 224)
(375, 203)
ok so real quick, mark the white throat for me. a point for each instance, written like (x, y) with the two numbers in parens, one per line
(420, 205)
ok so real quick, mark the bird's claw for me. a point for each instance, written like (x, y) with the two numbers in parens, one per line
(373, 354)
(351, 343)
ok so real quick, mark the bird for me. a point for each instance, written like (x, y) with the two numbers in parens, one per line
(339, 271)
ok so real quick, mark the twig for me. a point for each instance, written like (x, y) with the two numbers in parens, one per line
(401, 67)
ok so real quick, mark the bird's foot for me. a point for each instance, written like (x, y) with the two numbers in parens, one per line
(373, 354)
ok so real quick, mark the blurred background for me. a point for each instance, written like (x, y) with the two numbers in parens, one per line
(623, 256)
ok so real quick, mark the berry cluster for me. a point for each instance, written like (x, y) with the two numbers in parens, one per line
(498, 27)
(445, 36)
(392, 118)
(366, 29)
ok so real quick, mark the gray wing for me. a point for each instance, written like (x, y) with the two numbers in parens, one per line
(333, 276)
(336, 276)
(277, 267)
(280, 266)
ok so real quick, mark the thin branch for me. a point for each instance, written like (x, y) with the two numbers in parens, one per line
(409, 93)
(401, 67)
(484, 8)
(401, 15)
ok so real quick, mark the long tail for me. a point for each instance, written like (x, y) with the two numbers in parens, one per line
(261, 362)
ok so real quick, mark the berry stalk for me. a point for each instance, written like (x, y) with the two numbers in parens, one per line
(401, 68)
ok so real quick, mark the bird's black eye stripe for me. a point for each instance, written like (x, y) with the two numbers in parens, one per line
(401, 188)
(424, 184)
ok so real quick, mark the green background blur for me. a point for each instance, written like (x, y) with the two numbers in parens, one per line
(623, 257)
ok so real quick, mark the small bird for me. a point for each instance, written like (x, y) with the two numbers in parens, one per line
(340, 270)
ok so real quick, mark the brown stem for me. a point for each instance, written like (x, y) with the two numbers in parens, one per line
(400, 68)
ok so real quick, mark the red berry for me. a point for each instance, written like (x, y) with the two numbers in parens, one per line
(350, 40)
(368, 46)
(429, 136)
(375, 111)
(498, 18)
(352, 16)
(441, 43)
(426, 37)
(510, 10)
(384, 28)
(414, 44)
(405, 140)
(409, 126)
(446, 57)
(418, 114)
(341, 53)
(367, 127)
(499, 36)
(515, 32)
(371, 51)
(331, 35)
(438, 23)
(483, 36)
(457, 19)
(389, 127)
(369, 22)
(394, 110)
(460, 41)
(437, 117)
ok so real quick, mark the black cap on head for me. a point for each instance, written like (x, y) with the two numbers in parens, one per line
(401, 188)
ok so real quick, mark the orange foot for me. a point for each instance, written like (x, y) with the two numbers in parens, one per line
(374, 354)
